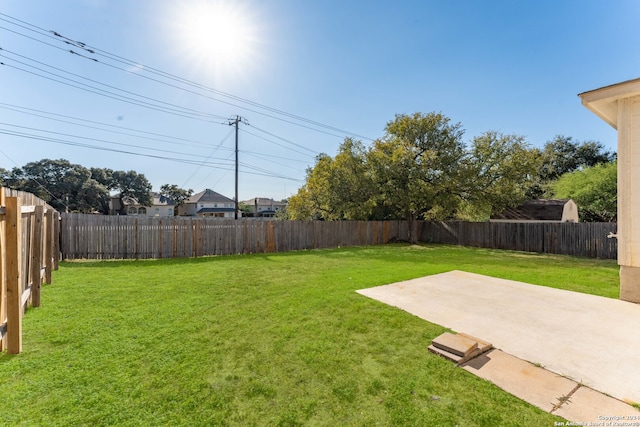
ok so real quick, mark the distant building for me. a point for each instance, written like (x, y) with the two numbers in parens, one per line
(161, 206)
(551, 210)
(208, 203)
(263, 207)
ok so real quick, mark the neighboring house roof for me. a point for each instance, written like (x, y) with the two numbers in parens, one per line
(540, 210)
(157, 200)
(209, 196)
(264, 201)
(215, 210)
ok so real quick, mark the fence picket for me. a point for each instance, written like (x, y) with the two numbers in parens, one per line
(577, 239)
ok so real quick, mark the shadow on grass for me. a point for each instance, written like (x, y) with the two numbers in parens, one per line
(6, 357)
(115, 263)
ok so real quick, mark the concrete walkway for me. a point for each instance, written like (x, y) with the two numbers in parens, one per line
(592, 340)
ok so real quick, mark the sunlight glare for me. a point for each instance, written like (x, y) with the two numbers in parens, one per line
(217, 36)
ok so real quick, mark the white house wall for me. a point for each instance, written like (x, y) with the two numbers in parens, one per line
(629, 172)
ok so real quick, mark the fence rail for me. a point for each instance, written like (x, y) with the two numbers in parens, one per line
(87, 236)
(29, 251)
(577, 239)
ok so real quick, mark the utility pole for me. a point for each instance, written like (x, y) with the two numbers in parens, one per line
(235, 122)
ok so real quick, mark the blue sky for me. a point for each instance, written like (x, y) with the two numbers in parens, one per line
(347, 66)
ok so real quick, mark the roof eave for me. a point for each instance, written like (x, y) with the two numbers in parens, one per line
(604, 101)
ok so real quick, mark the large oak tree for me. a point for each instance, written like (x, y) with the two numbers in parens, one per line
(416, 167)
(71, 187)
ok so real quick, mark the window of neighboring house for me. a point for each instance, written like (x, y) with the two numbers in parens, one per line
(215, 205)
(201, 205)
(170, 211)
(132, 210)
(142, 211)
(219, 214)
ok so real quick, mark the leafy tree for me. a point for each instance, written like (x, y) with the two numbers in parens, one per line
(93, 197)
(283, 214)
(127, 184)
(421, 169)
(594, 189)
(175, 193)
(500, 170)
(61, 184)
(72, 187)
(4, 177)
(336, 188)
(350, 182)
(416, 167)
(245, 209)
(131, 184)
(563, 155)
(103, 176)
(312, 199)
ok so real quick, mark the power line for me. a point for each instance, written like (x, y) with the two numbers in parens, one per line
(285, 140)
(275, 143)
(33, 112)
(141, 100)
(43, 114)
(267, 156)
(99, 140)
(173, 159)
(94, 147)
(211, 173)
(166, 75)
(170, 109)
(216, 148)
(103, 94)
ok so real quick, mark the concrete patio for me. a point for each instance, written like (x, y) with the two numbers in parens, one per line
(585, 343)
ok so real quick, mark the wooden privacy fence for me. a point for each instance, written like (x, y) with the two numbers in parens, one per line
(86, 236)
(586, 239)
(29, 251)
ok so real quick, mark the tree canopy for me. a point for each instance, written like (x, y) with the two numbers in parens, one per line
(420, 169)
(75, 188)
(500, 170)
(62, 184)
(335, 188)
(563, 155)
(594, 189)
(175, 193)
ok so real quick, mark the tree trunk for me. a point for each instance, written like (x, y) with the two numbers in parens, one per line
(413, 227)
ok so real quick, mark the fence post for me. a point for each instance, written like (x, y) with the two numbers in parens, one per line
(36, 255)
(14, 296)
(3, 282)
(48, 245)
(56, 239)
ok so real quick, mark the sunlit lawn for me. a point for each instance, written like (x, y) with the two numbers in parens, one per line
(277, 339)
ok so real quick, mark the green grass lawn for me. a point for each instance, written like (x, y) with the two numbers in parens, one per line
(268, 339)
